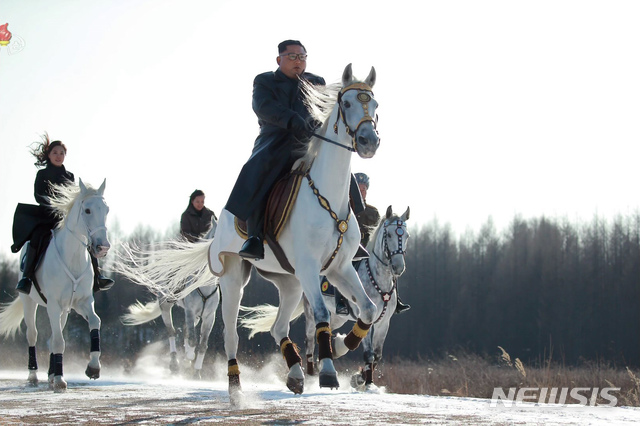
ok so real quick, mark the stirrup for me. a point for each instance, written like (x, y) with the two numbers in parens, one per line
(402, 307)
(103, 283)
(252, 249)
(24, 285)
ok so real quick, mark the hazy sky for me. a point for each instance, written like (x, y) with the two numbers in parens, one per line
(487, 108)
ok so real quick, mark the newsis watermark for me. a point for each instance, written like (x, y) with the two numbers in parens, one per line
(582, 396)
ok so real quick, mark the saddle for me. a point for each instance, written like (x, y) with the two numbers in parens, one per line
(279, 205)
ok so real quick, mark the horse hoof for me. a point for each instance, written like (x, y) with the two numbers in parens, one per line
(196, 375)
(357, 381)
(92, 373)
(295, 385)
(174, 365)
(329, 380)
(59, 384)
(236, 397)
(33, 378)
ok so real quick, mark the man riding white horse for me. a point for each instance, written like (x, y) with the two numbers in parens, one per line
(285, 123)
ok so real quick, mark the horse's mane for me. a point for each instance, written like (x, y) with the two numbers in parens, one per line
(65, 197)
(320, 101)
(380, 225)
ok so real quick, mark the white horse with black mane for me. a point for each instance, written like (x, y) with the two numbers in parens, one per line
(379, 275)
(320, 237)
(199, 307)
(64, 279)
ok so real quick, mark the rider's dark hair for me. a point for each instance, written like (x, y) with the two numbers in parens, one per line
(283, 46)
(194, 194)
(42, 150)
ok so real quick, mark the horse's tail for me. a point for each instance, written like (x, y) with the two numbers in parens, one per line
(261, 317)
(11, 315)
(139, 313)
(173, 271)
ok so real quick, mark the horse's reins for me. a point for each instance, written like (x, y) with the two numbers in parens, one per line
(90, 233)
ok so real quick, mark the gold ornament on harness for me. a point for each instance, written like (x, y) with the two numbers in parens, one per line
(343, 226)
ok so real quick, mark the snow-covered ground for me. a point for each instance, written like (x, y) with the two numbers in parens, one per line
(146, 395)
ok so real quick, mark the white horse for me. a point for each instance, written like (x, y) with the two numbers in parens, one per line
(65, 278)
(321, 236)
(379, 274)
(199, 307)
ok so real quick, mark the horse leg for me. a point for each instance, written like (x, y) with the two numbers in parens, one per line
(87, 310)
(349, 284)
(375, 344)
(190, 321)
(57, 346)
(167, 318)
(310, 335)
(232, 285)
(206, 325)
(310, 281)
(289, 293)
(30, 308)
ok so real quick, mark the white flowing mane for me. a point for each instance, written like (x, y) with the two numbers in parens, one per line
(65, 197)
(320, 101)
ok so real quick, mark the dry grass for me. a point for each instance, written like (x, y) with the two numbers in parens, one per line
(468, 375)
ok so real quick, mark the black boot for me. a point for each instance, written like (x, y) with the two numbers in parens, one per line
(24, 285)
(100, 282)
(401, 307)
(342, 308)
(253, 248)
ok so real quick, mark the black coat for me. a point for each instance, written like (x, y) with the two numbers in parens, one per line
(29, 217)
(194, 224)
(276, 100)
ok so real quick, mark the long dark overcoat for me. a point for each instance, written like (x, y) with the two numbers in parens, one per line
(28, 217)
(276, 99)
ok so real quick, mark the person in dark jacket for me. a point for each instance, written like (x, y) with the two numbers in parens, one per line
(367, 221)
(283, 119)
(51, 155)
(195, 222)
(285, 125)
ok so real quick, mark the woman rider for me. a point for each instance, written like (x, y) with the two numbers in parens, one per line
(34, 223)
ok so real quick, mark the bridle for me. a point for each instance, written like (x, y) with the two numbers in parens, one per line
(364, 96)
(400, 232)
(89, 232)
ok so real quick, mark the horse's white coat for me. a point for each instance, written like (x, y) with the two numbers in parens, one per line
(65, 274)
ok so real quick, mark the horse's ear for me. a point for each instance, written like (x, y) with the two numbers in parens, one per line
(371, 79)
(389, 212)
(101, 189)
(347, 76)
(83, 188)
(405, 216)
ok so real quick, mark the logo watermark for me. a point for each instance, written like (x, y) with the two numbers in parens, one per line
(582, 396)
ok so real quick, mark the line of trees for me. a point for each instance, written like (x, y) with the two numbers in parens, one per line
(542, 288)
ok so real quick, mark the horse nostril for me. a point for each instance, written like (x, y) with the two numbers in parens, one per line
(363, 141)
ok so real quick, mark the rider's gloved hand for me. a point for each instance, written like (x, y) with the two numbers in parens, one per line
(298, 126)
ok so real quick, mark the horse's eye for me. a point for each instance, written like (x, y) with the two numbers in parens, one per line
(347, 104)
(87, 211)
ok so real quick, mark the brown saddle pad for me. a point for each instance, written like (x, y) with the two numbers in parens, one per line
(279, 205)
